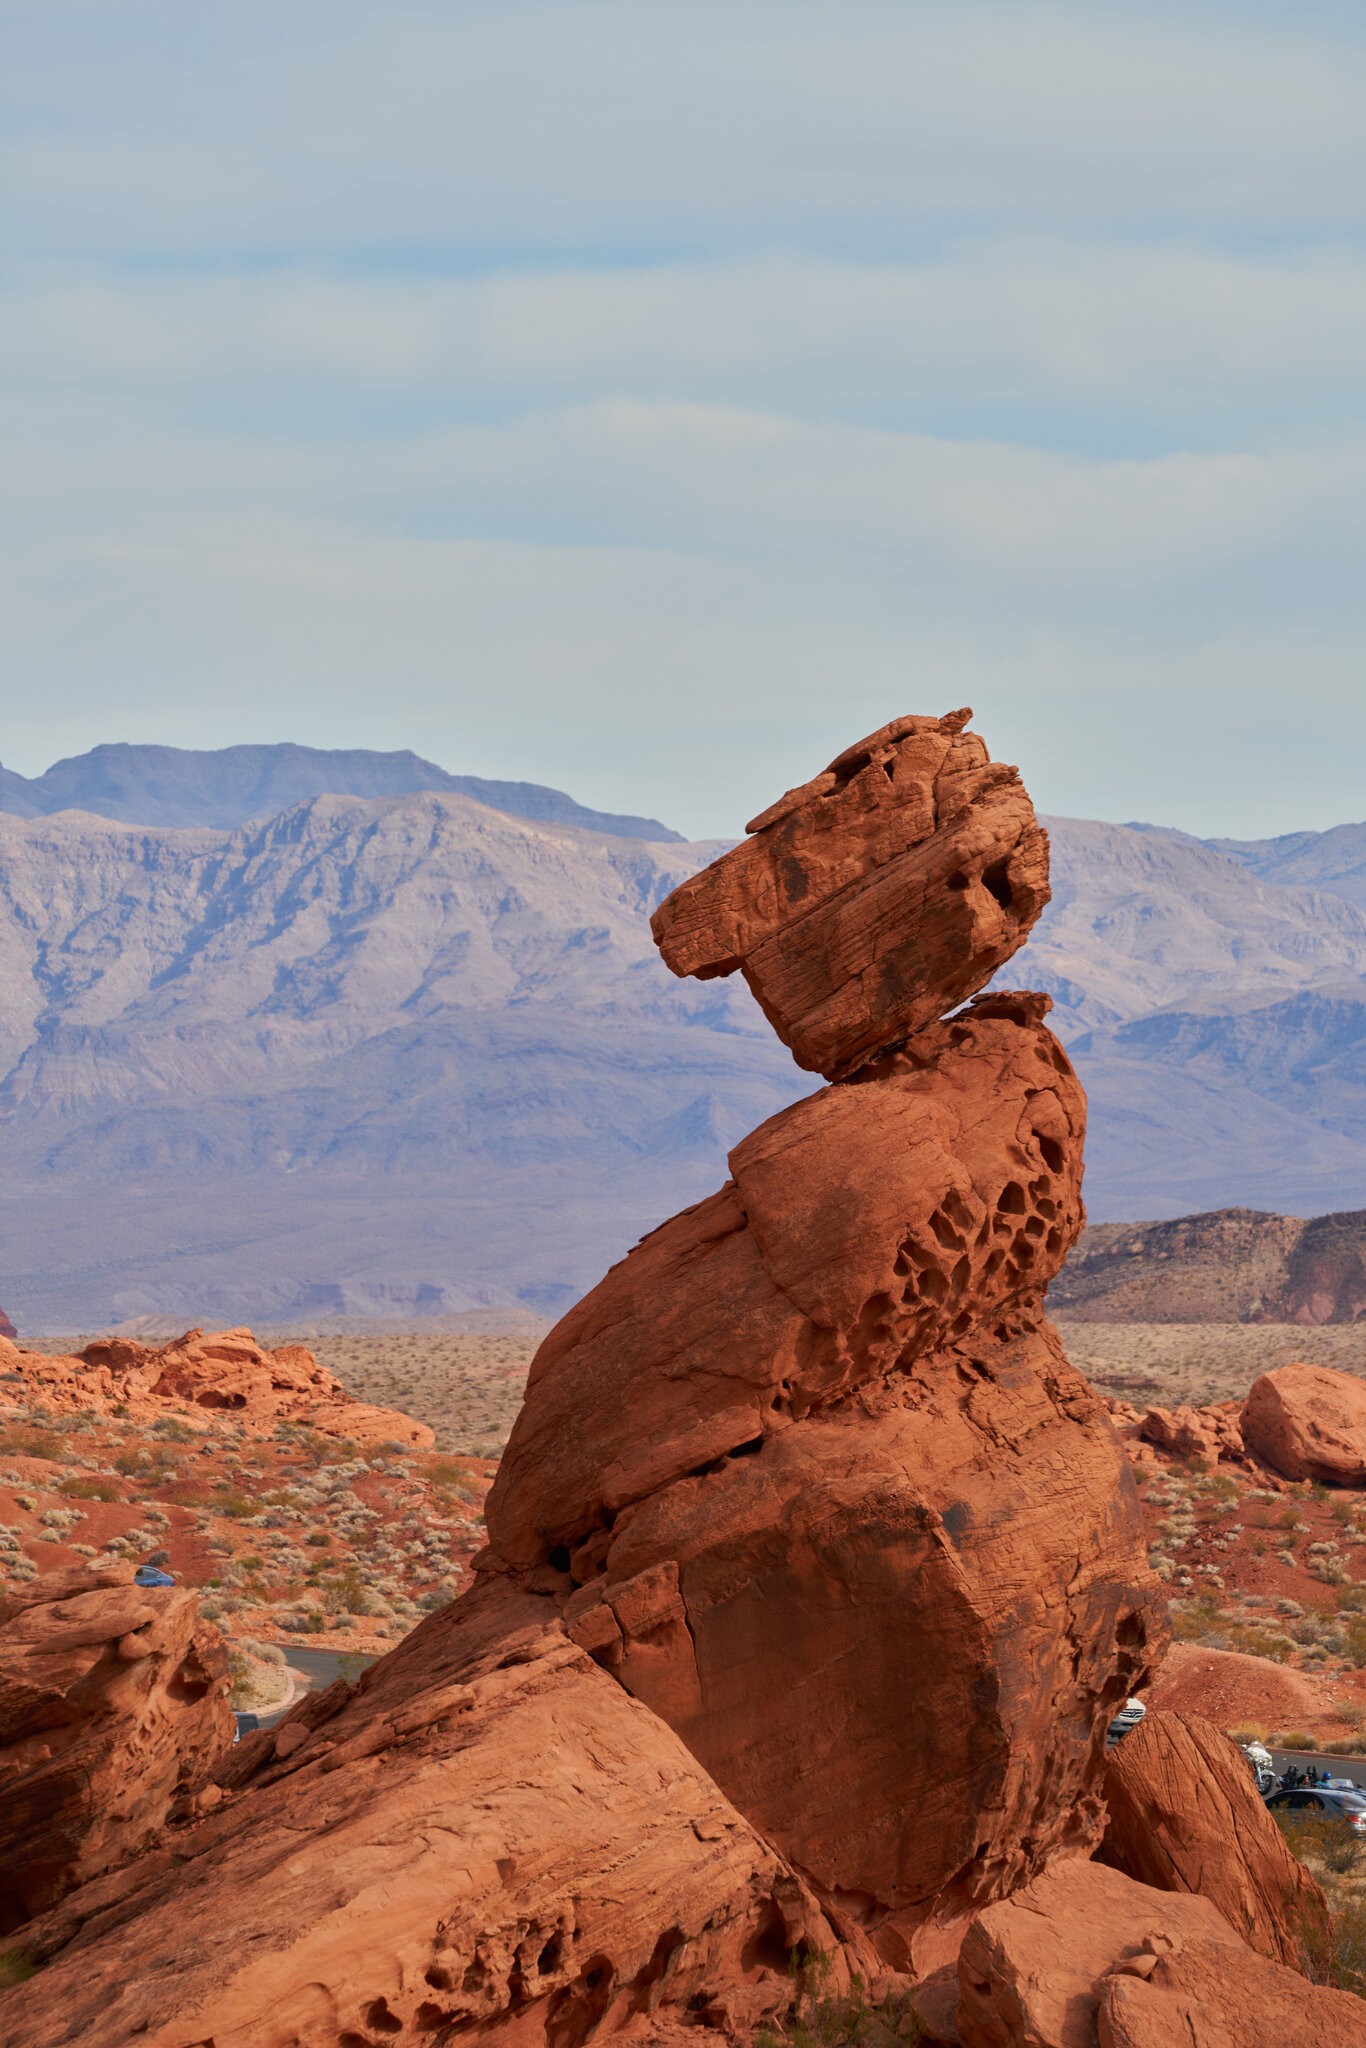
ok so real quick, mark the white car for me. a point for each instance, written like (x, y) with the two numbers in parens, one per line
(1128, 1718)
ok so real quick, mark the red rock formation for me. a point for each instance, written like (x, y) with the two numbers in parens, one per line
(489, 1838)
(228, 1370)
(113, 1702)
(814, 1570)
(1084, 1955)
(7, 1328)
(865, 1228)
(1202, 1435)
(1185, 1816)
(868, 902)
(1309, 1422)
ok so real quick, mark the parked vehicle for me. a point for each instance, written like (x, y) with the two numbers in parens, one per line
(1263, 1768)
(152, 1575)
(1322, 1802)
(1128, 1718)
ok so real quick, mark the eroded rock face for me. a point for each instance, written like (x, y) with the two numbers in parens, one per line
(865, 1228)
(1083, 1955)
(113, 1704)
(491, 1836)
(227, 1370)
(1185, 1816)
(7, 1328)
(1308, 1422)
(873, 899)
(810, 1475)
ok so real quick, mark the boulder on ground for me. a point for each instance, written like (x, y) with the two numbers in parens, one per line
(1185, 1816)
(113, 1704)
(870, 901)
(1084, 1956)
(1309, 1422)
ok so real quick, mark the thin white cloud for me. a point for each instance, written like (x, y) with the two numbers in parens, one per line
(588, 124)
(1157, 333)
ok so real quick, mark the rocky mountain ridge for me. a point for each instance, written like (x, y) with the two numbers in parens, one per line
(1230, 1265)
(224, 787)
(411, 1054)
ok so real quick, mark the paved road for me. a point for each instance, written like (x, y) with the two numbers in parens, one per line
(313, 1670)
(1353, 1767)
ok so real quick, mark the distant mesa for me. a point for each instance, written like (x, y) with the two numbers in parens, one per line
(223, 787)
(1223, 1266)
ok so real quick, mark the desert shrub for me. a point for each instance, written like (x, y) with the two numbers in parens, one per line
(22, 1441)
(818, 2016)
(1300, 1742)
(1248, 1731)
(1354, 1642)
(91, 1489)
(15, 1968)
(1256, 1640)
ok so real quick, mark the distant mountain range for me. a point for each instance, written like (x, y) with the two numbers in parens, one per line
(226, 786)
(398, 1051)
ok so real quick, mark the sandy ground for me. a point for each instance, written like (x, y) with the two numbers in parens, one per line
(1163, 1364)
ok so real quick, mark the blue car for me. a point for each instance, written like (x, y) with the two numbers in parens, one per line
(152, 1575)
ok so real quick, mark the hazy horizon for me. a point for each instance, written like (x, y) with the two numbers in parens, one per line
(644, 401)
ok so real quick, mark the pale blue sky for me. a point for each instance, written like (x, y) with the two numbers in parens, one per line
(649, 397)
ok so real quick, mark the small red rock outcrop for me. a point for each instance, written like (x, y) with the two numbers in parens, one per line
(113, 1703)
(490, 1838)
(1083, 1955)
(1309, 1422)
(1201, 1435)
(226, 1370)
(866, 903)
(1185, 1816)
(7, 1328)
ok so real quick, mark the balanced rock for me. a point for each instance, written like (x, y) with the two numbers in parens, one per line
(226, 1371)
(1186, 1816)
(1308, 1422)
(488, 1839)
(1083, 1955)
(113, 1704)
(870, 901)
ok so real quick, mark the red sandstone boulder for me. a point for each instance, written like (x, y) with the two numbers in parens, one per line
(763, 1467)
(1201, 1435)
(867, 903)
(1083, 1955)
(227, 1370)
(903, 1686)
(865, 1227)
(1309, 1422)
(1185, 1816)
(1195, 1996)
(113, 1704)
(490, 1839)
